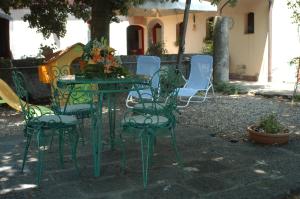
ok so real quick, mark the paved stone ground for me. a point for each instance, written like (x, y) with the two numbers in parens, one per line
(213, 168)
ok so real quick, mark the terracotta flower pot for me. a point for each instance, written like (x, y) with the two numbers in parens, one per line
(267, 138)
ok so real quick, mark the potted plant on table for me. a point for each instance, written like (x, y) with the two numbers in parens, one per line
(268, 131)
(99, 60)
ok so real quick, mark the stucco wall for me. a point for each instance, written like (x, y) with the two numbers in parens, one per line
(194, 37)
(248, 52)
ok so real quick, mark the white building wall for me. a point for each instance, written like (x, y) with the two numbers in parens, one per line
(285, 43)
(25, 41)
(118, 36)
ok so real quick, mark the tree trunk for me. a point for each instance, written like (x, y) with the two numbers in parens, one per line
(221, 49)
(183, 33)
(101, 16)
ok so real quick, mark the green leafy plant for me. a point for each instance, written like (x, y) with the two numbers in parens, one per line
(296, 98)
(157, 49)
(168, 75)
(294, 5)
(296, 61)
(226, 88)
(46, 50)
(270, 124)
(208, 47)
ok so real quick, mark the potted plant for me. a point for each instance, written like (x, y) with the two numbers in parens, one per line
(268, 131)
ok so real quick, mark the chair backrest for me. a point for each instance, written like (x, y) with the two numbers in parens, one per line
(22, 92)
(169, 82)
(70, 94)
(201, 72)
(148, 65)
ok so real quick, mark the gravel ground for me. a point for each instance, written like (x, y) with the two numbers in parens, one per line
(226, 116)
(229, 116)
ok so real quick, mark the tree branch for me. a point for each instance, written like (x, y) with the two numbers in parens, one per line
(221, 9)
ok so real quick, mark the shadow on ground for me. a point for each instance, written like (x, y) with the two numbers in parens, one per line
(213, 168)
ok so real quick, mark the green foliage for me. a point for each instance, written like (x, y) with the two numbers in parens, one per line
(170, 79)
(296, 98)
(270, 124)
(230, 2)
(46, 51)
(208, 47)
(4, 5)
(294, 5)
(226, 88)
(157, 49)
(296, 61)
(50, 16)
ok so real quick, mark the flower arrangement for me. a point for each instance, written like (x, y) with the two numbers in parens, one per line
(99, 60)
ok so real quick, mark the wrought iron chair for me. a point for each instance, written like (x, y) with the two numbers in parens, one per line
(42, 126)
(154, 119)
(148, 66)
(167, 75)
(70, 100)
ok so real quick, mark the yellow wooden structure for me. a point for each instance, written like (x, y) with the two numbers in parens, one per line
(59, 59)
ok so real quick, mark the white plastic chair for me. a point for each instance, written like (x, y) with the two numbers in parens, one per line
(148, 66)
(199, 81)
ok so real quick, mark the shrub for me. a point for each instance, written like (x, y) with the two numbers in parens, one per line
(270, 124)
(157, 49)
(226, 88)
(208, 47)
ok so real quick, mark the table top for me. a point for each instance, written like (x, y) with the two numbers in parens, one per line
(107, 85)
(72, 79)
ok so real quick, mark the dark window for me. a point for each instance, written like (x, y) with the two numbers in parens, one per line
(135, 40)
(156, 33)
(250, 23)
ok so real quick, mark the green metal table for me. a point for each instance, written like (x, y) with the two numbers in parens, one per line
(107, 87)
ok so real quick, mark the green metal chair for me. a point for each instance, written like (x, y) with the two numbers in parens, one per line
(154, 118)
(44, 125)
(69, 100)
(169, 78)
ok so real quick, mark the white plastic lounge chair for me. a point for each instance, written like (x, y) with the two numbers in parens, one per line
(199, 81)
(148, 66)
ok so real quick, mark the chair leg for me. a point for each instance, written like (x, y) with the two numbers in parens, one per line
(74, 138)
(123, 156)
(112, 118)
(41, 145)
(51, 141)
(213, 91)
(145, 160)
(28, 141)
(152, 142)
(81, 134)
(174, 145)
(61, 147)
